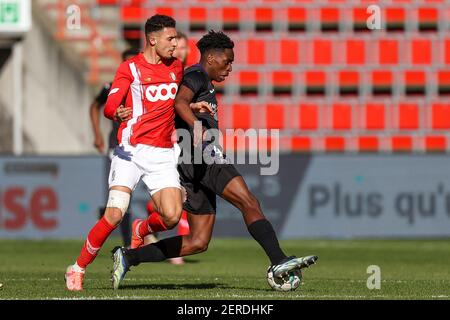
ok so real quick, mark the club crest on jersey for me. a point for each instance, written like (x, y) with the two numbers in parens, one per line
(173, 76)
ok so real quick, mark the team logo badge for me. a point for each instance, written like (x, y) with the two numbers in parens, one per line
(173, 76)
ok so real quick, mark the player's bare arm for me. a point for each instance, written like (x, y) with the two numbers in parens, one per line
(182, 108)
(94, 112)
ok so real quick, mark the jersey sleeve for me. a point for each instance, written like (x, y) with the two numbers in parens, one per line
(194, 81)
(119, 90)
(103, 95)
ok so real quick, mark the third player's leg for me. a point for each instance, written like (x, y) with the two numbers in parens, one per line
(237, 193)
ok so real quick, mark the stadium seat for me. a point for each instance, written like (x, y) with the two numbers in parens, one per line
(301, 144)
(194, 55)
(401, 144)
(282, 82)
(435, 143)
(355, 51)
(440, 118)
(289, 52)
(373, 116)
(408, 116)
(256, 51)
(274, 116)
(329, 19)
(341, 116)
(334, 144)
(248, 82)
(414, 82)
(308, 116)
(395, 19)
(197, 19)
(447, 51)
(443, 82)
(381, 82)
(263, 19)
(388, 51)
(322, 51)
(230, 18)
(368, 144)
(420, 51)
(428, 18)
(296, 19)
(315, 82)
(241, 115)
(348, 82)
(360, 17)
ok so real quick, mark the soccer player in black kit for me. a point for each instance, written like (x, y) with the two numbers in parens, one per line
(204, 181)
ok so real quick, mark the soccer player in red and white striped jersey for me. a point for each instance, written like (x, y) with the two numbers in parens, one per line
(142, 99)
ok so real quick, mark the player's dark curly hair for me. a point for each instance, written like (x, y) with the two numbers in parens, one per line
(159, 22)
(214, 40)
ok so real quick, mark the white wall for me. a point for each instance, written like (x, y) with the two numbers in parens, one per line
(56, 97)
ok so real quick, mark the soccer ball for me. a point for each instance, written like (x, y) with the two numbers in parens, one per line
(290, 282)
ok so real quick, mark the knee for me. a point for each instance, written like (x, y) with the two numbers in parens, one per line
(171, 217)
(199, 245)
(249, 203)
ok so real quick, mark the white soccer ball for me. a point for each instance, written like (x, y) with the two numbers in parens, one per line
(290, 282)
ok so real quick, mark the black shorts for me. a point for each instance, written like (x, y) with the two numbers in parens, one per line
(202, 183)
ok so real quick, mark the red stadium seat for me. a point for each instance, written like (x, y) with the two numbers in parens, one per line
(368, 144)
(256, 51)
(408, 116)
(322, 51)
(348, 82)
(447, 51)
(440, 116)
(373, 116)
(395, 19)
(301, 144)
(282, 82)
(315, 82)
(274, 116)
(296, 19)
(414, 82)
(263, 19)
(360, 17)
(334, 144)
(388, 51)
(443, 82)
(381, 82)
(289, 52)
(197, 18)
(230, 18)
(249, 82)
(420, 51)
(435, 143)
(329, 19)
(241, 115)
(308, 116)
(341, 116)
(401, 143)
(355, 52)
(428, 19)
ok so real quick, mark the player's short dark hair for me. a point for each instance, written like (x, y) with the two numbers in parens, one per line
(159, 22)
(181, 35)
(214, 40)
(130, 52)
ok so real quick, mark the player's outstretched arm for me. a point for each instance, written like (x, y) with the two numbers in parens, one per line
(94, 112)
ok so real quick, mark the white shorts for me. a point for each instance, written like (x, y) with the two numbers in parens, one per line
(156, 166)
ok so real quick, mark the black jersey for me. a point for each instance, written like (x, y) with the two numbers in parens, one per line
(101, 100)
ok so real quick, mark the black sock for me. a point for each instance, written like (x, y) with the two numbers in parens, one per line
(155, 252)
(262, 231)
(125, 229)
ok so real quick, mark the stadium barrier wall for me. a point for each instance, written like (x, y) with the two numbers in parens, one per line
(331, 196)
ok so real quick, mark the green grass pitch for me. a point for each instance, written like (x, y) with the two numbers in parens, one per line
(234, 269)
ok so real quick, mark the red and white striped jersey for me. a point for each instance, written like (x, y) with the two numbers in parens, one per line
(149, 89)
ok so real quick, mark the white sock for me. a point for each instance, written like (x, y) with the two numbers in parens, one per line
(77, 268)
